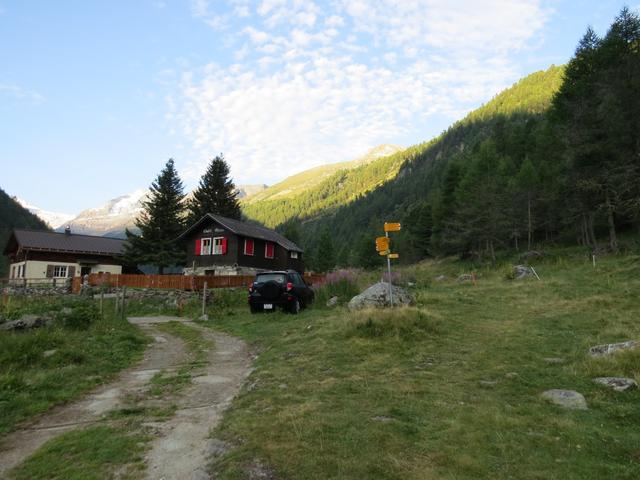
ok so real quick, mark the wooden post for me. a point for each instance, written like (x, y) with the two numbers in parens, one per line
(386, 234)
(124, 301)
(593, 258)
(102, 303)
(204, 298)
(116, 302)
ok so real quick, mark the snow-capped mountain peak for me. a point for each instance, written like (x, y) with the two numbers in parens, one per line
(53, 219)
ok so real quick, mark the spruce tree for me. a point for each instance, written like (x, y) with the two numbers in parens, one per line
(160, 224)
(216, 193)
(325, 255)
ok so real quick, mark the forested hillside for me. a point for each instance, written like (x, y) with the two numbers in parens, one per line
(555, 158)
(13, 215)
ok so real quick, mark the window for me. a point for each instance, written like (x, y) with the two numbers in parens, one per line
(60, 271)
(294, 254)
(219, 246)
(248, 246)
(269, 250)
(269, 277)
(20, 271)
(205, 246)
(13, 272)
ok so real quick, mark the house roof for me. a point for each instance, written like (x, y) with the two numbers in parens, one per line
(246, 230)
(63, 242)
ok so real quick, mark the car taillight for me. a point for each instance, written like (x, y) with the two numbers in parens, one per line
(289, 286)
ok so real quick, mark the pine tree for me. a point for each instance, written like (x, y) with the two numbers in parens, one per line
(325, 254)
(160, 224)
(215, 194)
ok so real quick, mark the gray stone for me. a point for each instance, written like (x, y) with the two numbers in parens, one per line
(382, 419)
(217, 448)
(609, 348)
(522, 271)
(465, 277)
(531, 254)
(49, 353)
(66, 311)
(377, 296)
(203, 317)
(553, 360)
(488, 383)
(441, 278)
(27, 321)
(332, 302)
(619, 384)
(566, 398)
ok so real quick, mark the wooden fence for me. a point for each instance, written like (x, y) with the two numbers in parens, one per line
(174, 282)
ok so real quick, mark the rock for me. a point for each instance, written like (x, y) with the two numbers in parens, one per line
(49, 353)
(203, 317)
(332, 302)
(522, 271)
(609, 348)
(488, 383)
(566, 398)
(619, 384)
(531, 254)
(553, 360)
(465, 277)
(377, 296)
(216, 448)
(441, 278)
(66, 311)
(511, 375)
(382, 418)
(27, 321)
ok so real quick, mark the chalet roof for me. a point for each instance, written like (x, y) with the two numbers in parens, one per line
(246, 230)
(64, 242)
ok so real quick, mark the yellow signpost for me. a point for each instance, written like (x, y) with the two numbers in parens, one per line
(394, 255)
(392, 227)
(384, 252)
(382, 244)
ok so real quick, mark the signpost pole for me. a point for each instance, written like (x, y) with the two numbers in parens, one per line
(389, 278)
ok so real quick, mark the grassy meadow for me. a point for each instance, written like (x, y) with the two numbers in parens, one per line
(449, 388)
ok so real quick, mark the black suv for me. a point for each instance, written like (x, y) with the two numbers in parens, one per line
(284, 289)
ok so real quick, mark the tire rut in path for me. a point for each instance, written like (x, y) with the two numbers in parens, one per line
(164, 353)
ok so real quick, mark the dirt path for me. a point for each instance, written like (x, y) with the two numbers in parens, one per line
(182, 448)
(179, 450)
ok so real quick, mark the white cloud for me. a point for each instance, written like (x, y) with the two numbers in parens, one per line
(21, 93)
(308, 94)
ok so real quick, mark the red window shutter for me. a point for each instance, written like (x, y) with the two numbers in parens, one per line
(198, 246)
(224, 246)
(248, 247)
(269, 250)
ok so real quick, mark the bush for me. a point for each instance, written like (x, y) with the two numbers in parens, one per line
(404, 323)
(81, 316)
(341, 284)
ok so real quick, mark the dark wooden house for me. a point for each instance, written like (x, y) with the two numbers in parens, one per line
(221, 246)
(36, 254)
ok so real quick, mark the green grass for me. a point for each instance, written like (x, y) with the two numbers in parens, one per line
(96, 452)
(450, 388)
(81, 357)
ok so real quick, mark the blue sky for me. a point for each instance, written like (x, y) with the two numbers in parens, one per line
(95, 96)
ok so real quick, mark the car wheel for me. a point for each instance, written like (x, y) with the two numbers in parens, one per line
(295, 308)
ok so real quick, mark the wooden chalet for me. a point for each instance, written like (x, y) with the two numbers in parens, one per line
(218, 245)
(35, 254)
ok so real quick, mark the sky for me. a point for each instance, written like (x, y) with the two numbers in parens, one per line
(96, 96)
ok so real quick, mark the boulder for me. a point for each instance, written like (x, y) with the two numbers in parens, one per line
(522, 271)
(619, 384)
(609, 348)
(530, 254)
(465, 277)
(441, 278)
(27, 321)
(332, 302)
(377, 296)
(566, 398)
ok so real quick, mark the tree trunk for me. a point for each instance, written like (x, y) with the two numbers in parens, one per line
(613, 239)
(591, 234)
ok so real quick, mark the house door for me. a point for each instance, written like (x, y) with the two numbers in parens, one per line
(84, 271)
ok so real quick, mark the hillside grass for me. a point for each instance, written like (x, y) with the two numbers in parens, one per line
(449, 388)
(79, 356)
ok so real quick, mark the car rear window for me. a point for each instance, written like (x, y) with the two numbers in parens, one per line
(267, 277)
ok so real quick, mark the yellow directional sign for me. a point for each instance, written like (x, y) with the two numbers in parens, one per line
(391, 227)
(384, 252)
(394, 255)
(382, 243)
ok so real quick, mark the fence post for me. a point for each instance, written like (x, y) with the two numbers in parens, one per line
(117, 301)
(204, 298)
(124, 301)
(101, 303)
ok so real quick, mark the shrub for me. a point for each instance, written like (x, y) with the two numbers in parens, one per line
(404, 323)
(81, 316)
(341, 284)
